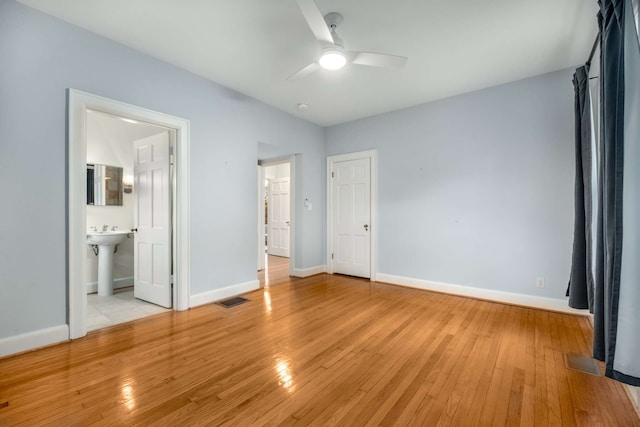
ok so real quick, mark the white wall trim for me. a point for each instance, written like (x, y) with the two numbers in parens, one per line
(218, 294)
(551, 304)
(311, 271)
(122, 282)
(372, 155)
(260, 225)
(33, 340)
(634, 396)
(78, 103)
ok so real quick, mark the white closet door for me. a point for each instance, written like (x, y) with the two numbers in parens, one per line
(351, 217)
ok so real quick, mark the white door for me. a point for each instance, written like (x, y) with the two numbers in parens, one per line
(351, 217)
(152, 254)
(279, 221)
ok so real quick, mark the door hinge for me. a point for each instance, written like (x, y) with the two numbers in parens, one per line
(331, 256)
(332, 174)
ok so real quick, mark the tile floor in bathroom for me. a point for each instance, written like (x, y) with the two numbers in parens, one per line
(117, 308)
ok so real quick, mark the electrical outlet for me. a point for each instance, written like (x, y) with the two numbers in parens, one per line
(540, 282)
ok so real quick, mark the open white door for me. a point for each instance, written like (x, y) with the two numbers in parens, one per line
(152, 254)
(351, 217)
(279, 221)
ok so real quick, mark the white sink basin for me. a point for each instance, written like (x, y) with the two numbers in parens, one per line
(106, 238)
(107, 242)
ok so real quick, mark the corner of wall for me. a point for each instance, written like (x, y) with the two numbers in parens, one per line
(311, 271)
(634, 396)
(218, 294)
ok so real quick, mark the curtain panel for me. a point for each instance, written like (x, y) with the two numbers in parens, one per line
(605, 270)
(625, 362)
(580, 290)
(635, 4)
(608, 265)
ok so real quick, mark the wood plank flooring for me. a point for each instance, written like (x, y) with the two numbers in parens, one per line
(276, 271)
(325, 350)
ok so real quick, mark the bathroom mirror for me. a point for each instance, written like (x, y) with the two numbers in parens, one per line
(104, 185)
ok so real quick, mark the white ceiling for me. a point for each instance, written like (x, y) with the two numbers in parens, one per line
(252, 46)
(118, 128)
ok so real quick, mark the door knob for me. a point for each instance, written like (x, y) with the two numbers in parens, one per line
(287, 222)
(366, 227)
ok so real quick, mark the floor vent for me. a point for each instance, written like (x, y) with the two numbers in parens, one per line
(582, 364)
(232, 302)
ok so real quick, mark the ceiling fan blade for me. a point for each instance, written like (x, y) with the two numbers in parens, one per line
(378, 59)
(315, 20)
(305, 71)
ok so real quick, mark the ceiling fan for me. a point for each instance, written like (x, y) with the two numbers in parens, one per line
(333, 56)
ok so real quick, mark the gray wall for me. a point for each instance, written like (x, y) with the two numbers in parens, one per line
(310, 225)
(476, 190)
(42, 57)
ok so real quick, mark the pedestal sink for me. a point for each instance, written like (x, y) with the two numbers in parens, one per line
(106, 242)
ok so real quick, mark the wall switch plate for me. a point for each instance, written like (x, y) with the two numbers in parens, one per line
(540, 282)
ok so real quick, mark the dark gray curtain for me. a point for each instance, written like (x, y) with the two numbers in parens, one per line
(611, 21)
(580, 290)
(635, 4)
(611, 287)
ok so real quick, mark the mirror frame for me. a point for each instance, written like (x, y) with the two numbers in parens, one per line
(104, 185)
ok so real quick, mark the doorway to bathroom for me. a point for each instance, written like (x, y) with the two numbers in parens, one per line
(276, 218)
(118, 285)
(154, 134)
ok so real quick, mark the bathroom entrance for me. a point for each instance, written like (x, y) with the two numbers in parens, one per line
(145, 233)
(130, 279)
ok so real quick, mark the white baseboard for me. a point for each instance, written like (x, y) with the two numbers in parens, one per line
(33, 340)
(117, 284)
(218, 294)
(634, 396)
(551, 304)
(311, 271)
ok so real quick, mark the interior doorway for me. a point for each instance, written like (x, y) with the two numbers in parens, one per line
(277, 210)
(79, 105)
(276, 224)
(123, 282)
(352, 214)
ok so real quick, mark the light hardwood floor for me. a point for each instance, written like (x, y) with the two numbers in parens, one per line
(322, 350)
(276, 271)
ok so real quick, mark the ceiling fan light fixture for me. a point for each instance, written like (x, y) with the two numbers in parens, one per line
(332, 59)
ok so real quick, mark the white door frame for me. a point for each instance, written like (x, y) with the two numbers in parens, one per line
(292, 208)
(78, 104)
(261, 196)
(372, 155)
